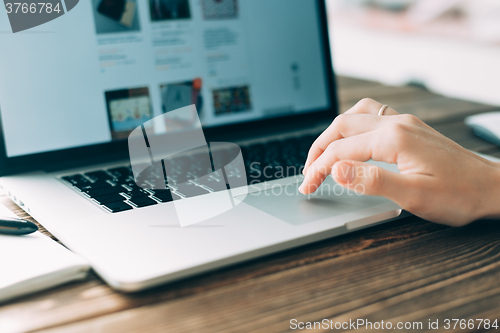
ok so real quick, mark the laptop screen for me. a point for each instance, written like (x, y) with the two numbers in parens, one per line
(107, 66)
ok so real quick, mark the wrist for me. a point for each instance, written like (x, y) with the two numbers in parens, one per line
(492, 194)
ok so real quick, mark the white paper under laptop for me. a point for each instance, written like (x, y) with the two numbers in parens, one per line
(35, 262)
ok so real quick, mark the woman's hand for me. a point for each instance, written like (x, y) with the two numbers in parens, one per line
(439, 181)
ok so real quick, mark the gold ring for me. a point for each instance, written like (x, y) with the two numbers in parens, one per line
(382, 110)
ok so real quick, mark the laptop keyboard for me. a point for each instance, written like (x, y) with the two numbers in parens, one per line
(116, 190)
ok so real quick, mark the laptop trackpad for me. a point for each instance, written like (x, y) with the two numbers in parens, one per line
(330, 200)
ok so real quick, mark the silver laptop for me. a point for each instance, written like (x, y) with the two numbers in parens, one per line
(258, 74)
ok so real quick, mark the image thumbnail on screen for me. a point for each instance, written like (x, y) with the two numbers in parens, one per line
(178, 95)
(219, 9)
(113, 16)
(162, 10)
(231, 100)
(127, 109)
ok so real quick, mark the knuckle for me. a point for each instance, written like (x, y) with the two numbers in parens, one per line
(397, 130)
(314, 146)
(410, 119)
(374, 182)
(339, 121)
(362, 105)
(365, 102)
(333, 146)
(310, 153)
(396, 134)
(340, 118)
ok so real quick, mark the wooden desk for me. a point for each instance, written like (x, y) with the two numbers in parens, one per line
(405, 271)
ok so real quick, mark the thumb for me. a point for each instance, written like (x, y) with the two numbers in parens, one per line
(365, 178)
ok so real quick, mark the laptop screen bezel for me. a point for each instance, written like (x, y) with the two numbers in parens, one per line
(113, 151)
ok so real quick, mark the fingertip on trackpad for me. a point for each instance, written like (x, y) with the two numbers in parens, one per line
(329, 201)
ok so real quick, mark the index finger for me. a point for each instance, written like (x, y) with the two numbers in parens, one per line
(334, 132)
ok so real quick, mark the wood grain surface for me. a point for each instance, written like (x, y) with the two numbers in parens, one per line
(404, 271)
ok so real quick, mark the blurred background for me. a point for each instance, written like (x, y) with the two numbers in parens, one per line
(449, 46)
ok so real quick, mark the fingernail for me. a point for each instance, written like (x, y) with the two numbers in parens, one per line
(302, 187)
(346, 173)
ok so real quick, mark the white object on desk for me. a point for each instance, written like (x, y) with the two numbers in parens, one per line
(486, 126)
(35, 262)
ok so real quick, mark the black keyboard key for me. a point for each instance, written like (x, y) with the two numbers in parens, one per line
(109, 198)
(95, 185)
(76, 180)
(237, 181)
(120, 172)
(100, 192)
(155, 182)
(175, 178)
(142, 201)
(143, 185)
(216, 183)
(166, 196)
(190, 190)
(98, 175)
(137, 192)
(117, 206)
(130, 184)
